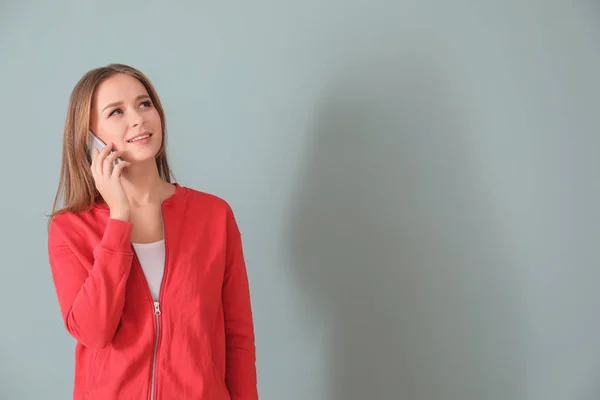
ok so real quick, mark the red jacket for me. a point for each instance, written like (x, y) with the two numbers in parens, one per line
(197, 342)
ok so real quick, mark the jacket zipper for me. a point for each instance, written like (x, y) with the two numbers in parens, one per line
(157, 310)
(156, 306)
(156, 315)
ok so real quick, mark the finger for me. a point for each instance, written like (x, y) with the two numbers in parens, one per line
(94, 165)
(109, 162)
(102, 157)
(95, 153)
(118, 169)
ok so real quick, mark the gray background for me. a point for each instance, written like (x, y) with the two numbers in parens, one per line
(416, 183)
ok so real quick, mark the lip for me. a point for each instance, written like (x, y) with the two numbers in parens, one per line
(128, 140)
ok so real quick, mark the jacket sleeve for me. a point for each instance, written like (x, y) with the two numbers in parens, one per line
(240, 376)
(91, 302)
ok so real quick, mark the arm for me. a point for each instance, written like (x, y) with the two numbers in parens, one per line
(240, 374)
(91, 303)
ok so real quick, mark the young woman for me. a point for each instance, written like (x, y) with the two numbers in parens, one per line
(150, 275)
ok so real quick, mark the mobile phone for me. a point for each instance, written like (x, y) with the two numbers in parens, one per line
(94, 142)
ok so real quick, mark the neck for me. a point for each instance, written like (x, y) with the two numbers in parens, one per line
(143, 184)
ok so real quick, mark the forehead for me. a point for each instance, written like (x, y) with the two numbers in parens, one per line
(120, 87)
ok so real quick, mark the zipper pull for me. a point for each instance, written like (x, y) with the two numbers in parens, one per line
(156, 308)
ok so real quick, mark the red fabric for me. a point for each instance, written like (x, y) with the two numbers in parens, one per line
(206, 336)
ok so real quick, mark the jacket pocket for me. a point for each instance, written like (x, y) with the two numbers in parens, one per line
(218, 378)
(95, 369)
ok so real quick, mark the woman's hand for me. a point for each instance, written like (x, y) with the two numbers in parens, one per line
(108, 181)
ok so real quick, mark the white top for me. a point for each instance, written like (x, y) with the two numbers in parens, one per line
(152, 259)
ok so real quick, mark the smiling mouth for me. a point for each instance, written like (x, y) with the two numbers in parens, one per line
(135, 139)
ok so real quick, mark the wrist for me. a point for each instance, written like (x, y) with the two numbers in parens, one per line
(120, 215)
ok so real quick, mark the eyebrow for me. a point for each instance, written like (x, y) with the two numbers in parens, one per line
(118, 103)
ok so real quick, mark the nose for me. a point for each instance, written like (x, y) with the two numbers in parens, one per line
(136, 118)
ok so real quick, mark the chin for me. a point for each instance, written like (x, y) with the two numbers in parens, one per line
(140, 158)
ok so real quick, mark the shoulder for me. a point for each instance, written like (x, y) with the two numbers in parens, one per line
(63, 222)
(206, 201)
(210, 207)
(66, 227)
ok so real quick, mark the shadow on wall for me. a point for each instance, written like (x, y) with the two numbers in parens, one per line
(391, 234)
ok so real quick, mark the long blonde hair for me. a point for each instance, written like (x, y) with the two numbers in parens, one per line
(76, 186)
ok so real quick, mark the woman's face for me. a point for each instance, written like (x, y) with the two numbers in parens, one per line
(123, 114)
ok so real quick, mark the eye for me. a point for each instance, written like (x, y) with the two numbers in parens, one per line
(118, 110)
(147, 103)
